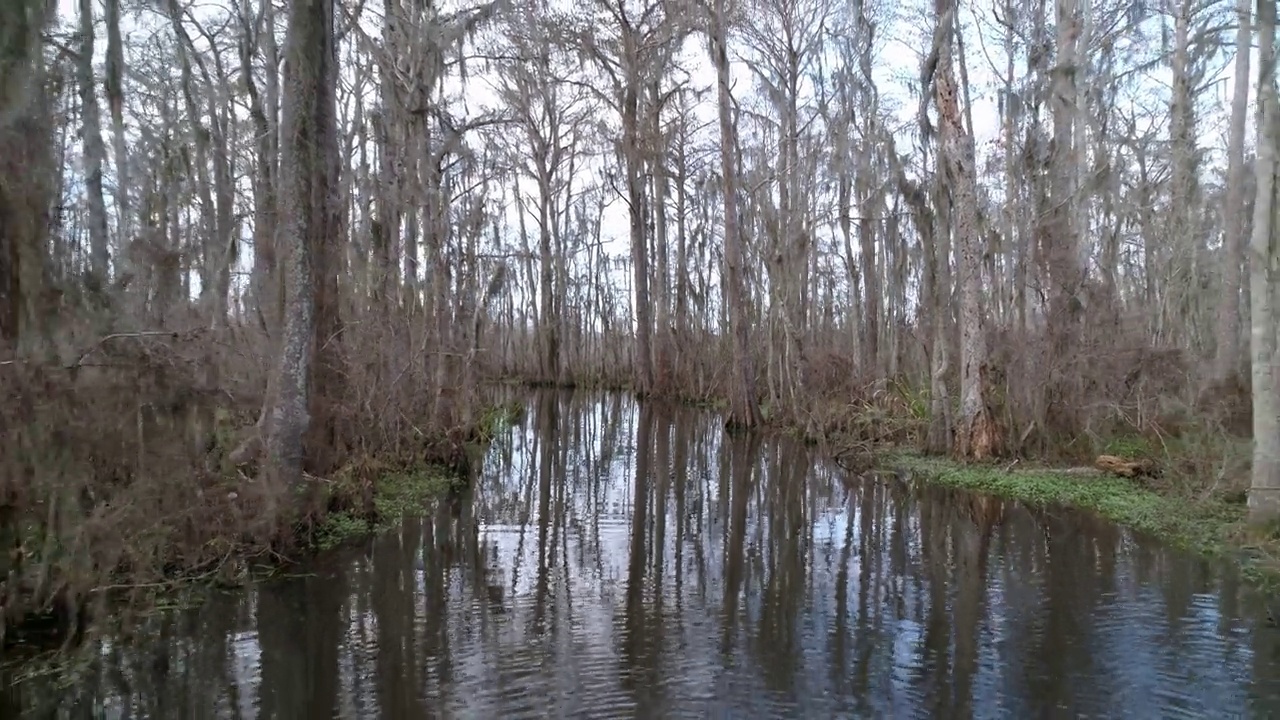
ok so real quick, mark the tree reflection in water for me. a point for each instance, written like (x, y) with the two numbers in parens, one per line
(623, 560)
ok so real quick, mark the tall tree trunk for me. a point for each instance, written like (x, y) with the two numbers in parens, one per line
(936, 290)
(643, 356)
(95, 154)
(844, 195)
(114, 88)
(871, 287)
(662, 288)
(265, 289)
(198, 165)
(225, 248)
(1226, 363)
(977, 435)
(1181, 236)
(308, 143)
(744, 411)
(391, 166)
(548, 323)
(1062, 235)
(682, 248)
(325, 442)
(1264, 277)
(26, 150)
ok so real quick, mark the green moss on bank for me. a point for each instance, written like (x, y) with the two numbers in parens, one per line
(396, 494)
(498, 419)
(371, 496)
(1211, 527)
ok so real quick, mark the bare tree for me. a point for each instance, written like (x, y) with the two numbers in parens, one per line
(95, 153)
(743, 409)
(1227, 341)
(977, 435)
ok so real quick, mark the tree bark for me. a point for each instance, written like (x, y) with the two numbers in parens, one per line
(25, 151)
(1264, 490)
(1063, 235)
(95, 154)
(643, 355)
(114, 87)
(1226, 363)
(744, 410)
(977, 434)
(307, 124)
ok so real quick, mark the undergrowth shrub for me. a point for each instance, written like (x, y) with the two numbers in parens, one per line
(110, 471)
(119, 468)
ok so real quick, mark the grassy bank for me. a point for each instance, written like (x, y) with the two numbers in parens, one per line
(370, 494)
(1212, 527)
(369, 498)
(1198, 503)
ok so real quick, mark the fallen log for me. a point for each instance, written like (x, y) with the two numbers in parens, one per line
(1125, 468)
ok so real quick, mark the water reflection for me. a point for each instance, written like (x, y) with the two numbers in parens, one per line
(624, 561)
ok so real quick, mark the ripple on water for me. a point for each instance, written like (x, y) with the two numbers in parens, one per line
(799, 592)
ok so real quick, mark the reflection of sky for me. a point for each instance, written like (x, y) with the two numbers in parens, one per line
(1130, 623)
(246, 658)
(1091, 623)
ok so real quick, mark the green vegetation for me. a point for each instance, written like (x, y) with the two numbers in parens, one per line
(338, 528)
(1212, 527)
(497, 419)
(373, 496)
(370, 497)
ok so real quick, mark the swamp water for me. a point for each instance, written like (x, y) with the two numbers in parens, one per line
(614, 560)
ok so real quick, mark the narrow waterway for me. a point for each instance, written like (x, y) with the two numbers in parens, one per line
(615, 560)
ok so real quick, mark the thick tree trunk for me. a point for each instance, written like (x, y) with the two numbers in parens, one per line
(977, 434)
(643, 355)
(307, 132)
(1226, 363)
(1264, 491)
(25, 151)
(743, 408)
(1062, 392)
(95, 154)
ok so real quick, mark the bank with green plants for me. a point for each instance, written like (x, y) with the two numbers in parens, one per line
(1193, 498)
(370, 497)
(1212, 525)
(373, 493)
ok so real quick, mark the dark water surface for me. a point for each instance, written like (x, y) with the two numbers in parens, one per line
(618, 561)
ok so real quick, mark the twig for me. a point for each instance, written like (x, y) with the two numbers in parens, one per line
(80, 362)
(118, 336)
